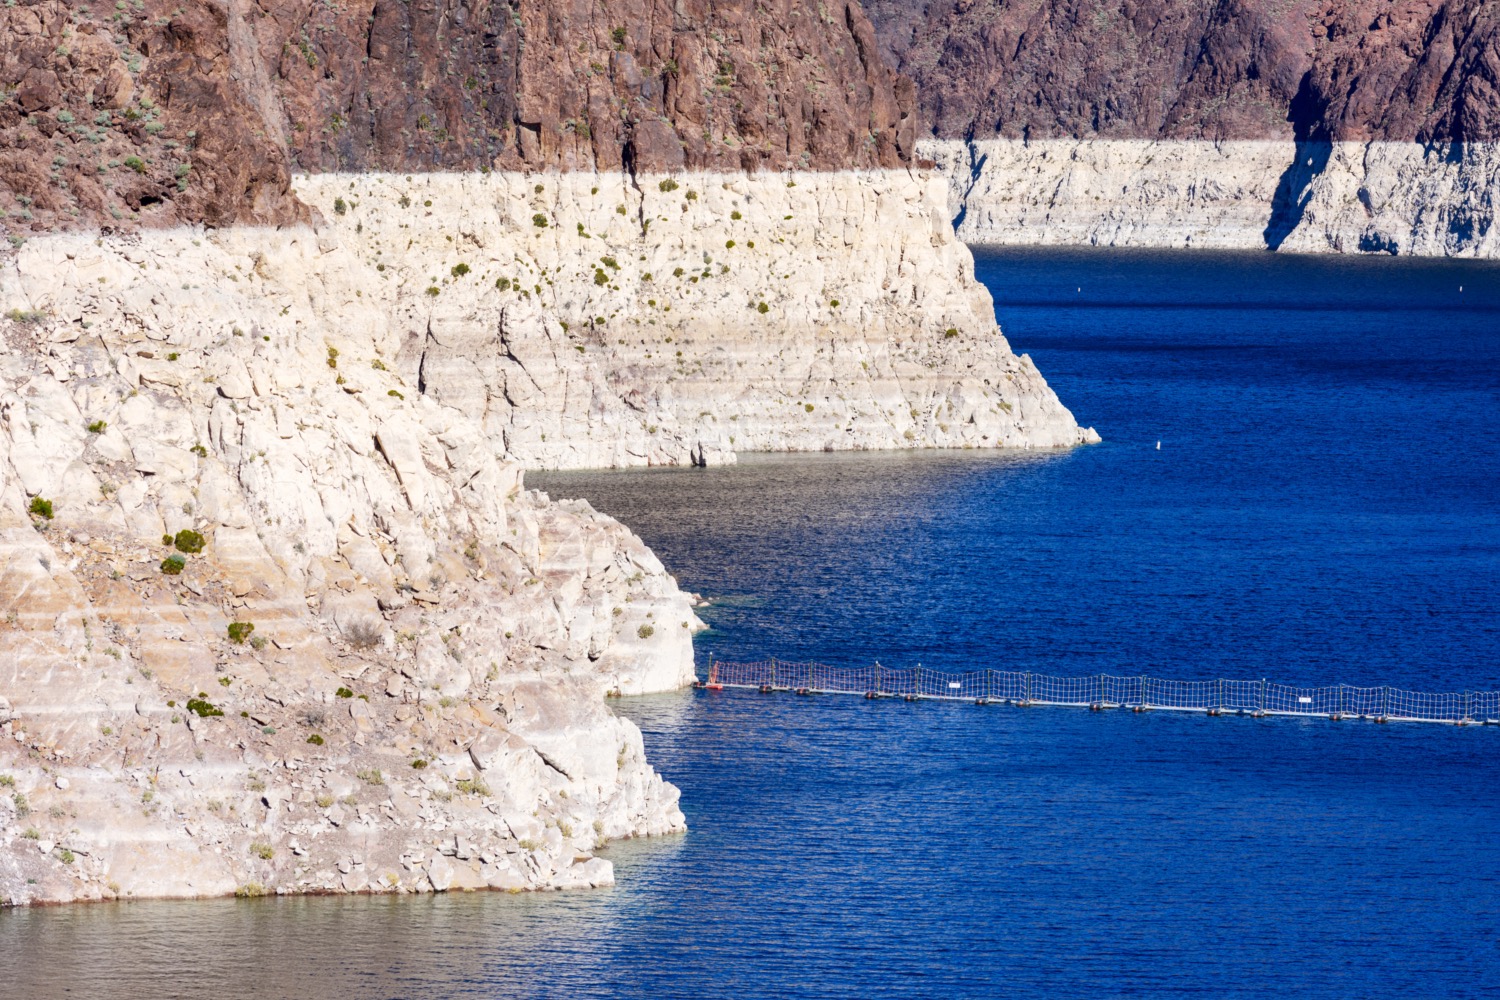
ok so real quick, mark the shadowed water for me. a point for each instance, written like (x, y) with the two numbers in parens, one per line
(1323, 508)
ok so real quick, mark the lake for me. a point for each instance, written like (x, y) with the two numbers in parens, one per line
(1324, 507)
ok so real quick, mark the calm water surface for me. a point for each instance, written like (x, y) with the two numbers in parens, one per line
(1325, 506)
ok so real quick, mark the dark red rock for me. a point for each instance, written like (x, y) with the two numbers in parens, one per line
(1221, 69)
(177, 111)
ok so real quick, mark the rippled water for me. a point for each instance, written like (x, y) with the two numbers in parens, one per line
(1323, 507)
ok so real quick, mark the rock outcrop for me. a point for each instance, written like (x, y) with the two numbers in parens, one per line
(587, 321)
(276, 611)
(272, 619)
(1313, 125)
(320, 434)
(1345, 197)
(160, 113)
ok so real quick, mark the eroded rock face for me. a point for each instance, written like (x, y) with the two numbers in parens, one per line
(125, 117)
(157, 113)
(204, 430)
(1351, 70)
(1344, 197)
(587, 321)
(649, 85)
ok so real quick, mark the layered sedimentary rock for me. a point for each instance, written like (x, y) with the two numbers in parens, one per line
(1320, 124)
(1386, 197)
(590, 321)
(342, 416)
(199, 432)
(276, 611)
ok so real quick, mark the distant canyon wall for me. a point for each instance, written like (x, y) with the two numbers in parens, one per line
(1343, 70)
(1344, 197)
(1327, 125)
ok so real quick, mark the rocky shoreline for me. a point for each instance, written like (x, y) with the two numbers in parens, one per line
(1433, 200)
(279, 615)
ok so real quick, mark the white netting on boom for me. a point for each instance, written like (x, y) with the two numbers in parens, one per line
(1113, 690)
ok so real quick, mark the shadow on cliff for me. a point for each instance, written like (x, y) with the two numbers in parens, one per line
(1314, 150)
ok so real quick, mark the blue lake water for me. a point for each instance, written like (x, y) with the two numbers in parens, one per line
(1324, 507)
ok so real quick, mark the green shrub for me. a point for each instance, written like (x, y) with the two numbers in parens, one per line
(472, 786)
(136, 163)
(262, 850)
(667, 185)
(503, 284)
(600, 278)
(459, 270)
(433, 291)
(808, 407)
(735, 215)
(419, 764)
(729, 244)
(173, 565)
(41, 508)
(315, 740)
(203, 709)
(97, 427)
(66, 857)
(23, 807)
(762, 308)
(620, 209)
(188, 540)
(250, 890)
(393, 392)
(692, 196)
(199, 450)
(539, 220)
(371, 776)
(240, 631)
(344, 692)
(834, 304)
(950, 333)
(340, 206)
(645, 631)
(333, 357)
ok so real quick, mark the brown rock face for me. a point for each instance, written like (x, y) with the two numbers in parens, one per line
(579, 84)
(166, 111)
(124, 118)
(1425, 70)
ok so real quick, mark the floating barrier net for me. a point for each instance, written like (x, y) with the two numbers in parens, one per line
(1262, 697)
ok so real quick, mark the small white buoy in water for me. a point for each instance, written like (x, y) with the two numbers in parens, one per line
(1158, 446)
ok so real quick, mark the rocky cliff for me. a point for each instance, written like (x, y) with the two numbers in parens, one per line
(295, 290)
(273, 619)
(1352, 70)
(1314, 125)
(158, 113)
(588, 320)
